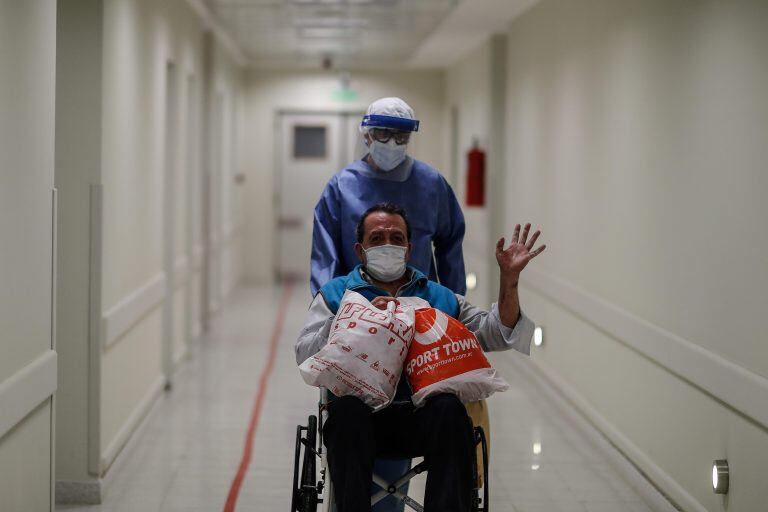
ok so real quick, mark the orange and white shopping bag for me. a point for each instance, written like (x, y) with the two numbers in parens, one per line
(445, 357)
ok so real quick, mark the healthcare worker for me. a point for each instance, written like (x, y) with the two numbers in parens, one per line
(387, 174)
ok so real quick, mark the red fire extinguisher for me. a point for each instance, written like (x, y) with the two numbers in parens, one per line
(476, 176)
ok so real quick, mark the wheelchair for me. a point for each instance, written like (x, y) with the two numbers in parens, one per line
(312, 487)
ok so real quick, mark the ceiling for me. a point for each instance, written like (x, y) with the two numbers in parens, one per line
(351, 33)
(466, 27)
(356, 34)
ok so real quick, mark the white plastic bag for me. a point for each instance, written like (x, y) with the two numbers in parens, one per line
(365, 351)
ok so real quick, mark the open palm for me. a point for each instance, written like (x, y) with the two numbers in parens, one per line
(514, 258)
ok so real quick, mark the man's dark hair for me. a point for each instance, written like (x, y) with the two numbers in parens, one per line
(391, 208)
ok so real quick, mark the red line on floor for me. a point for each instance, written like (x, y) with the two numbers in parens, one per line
(266, 372)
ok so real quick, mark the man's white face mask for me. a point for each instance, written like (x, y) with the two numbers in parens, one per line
(385, 263)
(386, 155)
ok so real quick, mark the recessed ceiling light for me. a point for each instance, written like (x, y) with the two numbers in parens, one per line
(538, 336)
(535, 467)
(471, 281)
(536, 448)
(332, 22)
(333, 2)
(327, 33)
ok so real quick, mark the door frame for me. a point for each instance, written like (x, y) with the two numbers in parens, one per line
(170, 168)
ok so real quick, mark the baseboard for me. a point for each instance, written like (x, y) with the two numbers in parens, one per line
(656, 486)
(92, 492)
(79, 492)
(131, 425)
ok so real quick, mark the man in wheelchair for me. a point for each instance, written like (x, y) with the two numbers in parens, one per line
(440, 431)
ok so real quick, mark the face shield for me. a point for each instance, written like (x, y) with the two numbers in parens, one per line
(401, 124)
(389, 136)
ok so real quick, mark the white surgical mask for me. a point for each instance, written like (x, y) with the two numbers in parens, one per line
(385, 263)
(387, 155)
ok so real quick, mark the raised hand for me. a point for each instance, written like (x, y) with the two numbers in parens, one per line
(514, 258)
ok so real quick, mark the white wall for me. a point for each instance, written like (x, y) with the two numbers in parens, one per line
(154, 173)
(271, 91)
(637, 141)
(137, 84)
(28, 361)
(468, 93)
(140, 38)
(225, 161)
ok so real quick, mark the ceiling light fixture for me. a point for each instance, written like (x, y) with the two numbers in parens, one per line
(332, 2)
(538, 336)
(327, 33)
(335, 22)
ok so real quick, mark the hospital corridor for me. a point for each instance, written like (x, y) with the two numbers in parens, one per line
(386, 255)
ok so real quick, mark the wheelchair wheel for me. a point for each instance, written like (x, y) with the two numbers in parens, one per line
(481, 504)
(305, 489)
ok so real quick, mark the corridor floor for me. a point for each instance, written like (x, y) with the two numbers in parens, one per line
(187, 453)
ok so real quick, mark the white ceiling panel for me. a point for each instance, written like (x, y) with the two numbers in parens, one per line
(352, 33)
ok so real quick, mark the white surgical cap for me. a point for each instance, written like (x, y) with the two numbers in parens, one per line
(394, 107)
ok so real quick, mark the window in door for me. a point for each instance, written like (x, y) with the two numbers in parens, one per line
(309, 142)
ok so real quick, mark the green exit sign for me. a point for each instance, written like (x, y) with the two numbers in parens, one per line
(345, 95)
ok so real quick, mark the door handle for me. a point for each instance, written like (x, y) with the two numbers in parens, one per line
(290, 223)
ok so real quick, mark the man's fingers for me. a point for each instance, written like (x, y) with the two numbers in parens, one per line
(538, 251)
(500, 245)
(516, 234)
(382, 301)
(532, 241)
(524, 239)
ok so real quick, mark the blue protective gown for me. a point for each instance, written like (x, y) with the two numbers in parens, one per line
(433, 212)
